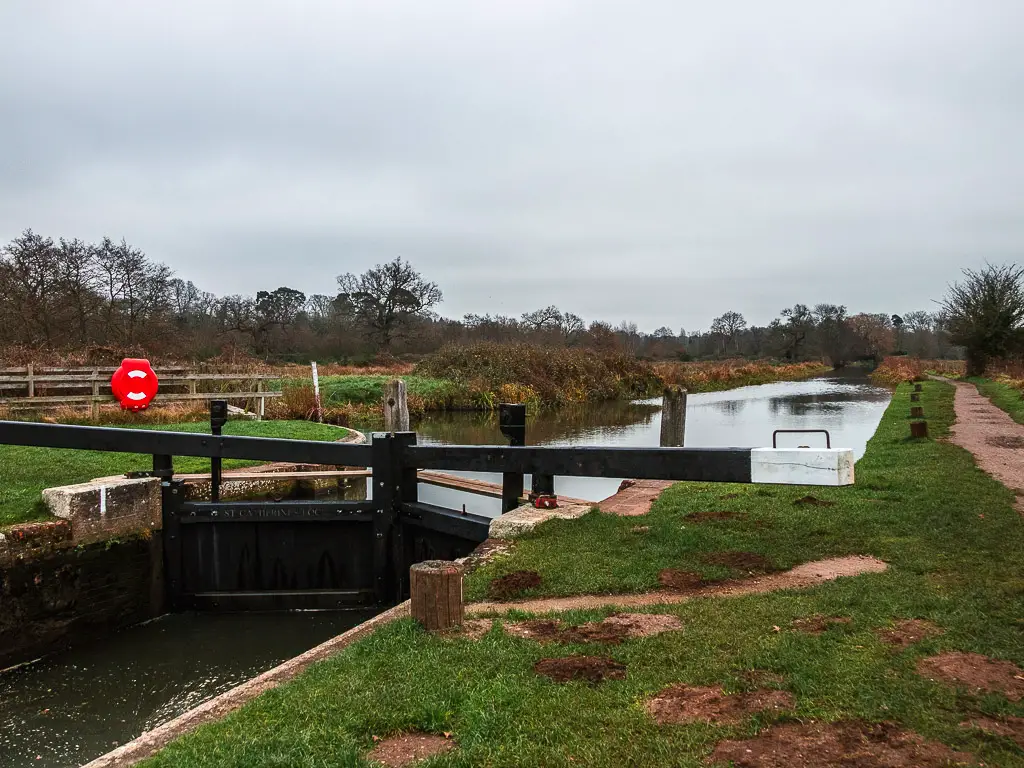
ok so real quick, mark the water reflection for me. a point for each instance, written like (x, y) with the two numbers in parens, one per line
(848, 405)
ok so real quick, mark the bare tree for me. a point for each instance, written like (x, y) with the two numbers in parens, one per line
(730, 325)
(985, 314)
(388, 298)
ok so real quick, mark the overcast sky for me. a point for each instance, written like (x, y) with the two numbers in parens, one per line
(654, 161)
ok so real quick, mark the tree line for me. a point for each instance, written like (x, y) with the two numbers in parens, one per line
(111, 298)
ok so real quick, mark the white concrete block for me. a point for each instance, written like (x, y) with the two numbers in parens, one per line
(802, 466)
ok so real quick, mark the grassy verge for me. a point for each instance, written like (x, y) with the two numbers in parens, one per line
(949, 532)
(1002, 395)
(25, 471)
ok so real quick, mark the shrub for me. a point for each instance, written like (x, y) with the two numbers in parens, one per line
(550, 376)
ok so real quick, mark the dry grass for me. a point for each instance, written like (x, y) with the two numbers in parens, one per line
(727, 374)
(896, 370)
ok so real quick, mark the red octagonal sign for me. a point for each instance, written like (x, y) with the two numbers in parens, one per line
(134, 384)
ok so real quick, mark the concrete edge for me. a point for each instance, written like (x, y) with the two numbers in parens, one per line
(150, 742)
(356, 438)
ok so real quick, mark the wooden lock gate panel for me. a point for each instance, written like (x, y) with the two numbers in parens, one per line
(264, 555)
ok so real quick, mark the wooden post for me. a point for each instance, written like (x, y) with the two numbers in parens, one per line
(259, 388)
(919, 429)
(918, 388)
(396, 407)
(30, 371)
(95, 394)
(916, 412)
(915, 397)
(316, 392)
(673, 417)
(435, 591)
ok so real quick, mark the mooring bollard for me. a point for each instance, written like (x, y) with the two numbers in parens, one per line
(435, 592)
(916, 412)
(396, 407)
(915, 397)
(673, 417)
(919, 429)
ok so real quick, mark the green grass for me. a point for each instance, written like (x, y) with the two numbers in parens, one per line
(949, 532)
(26, 471)
(1002, 396)
(436, 393)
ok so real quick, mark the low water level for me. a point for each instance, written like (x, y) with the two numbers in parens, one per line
(848, 405)
(71, 707)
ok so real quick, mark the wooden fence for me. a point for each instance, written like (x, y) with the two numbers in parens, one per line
(21, 387)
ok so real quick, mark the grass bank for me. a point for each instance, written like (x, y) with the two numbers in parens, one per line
(948, 531)
(25, 471)
(1005, 394)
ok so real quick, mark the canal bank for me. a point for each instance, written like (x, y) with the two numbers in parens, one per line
(850, 407)
(879, 648)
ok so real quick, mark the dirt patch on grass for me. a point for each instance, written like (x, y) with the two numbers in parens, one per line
(907, 632)
(1007, 726)
(813, 501)
(640, 529)
(730, 496)
(593, 669)
(1005, 441)
(513, 584)
(801, 577)
(815, 625)
(686, 704)
(977, 673)
(408, 748)
(845, 744)
(471, 629)
(611, 631)
(701, 517)
(645, 624)
(683, 581)
(745, 562)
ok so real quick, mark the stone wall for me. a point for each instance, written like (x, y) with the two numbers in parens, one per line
(54, 593)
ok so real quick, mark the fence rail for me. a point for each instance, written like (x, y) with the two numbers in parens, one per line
(97, 379)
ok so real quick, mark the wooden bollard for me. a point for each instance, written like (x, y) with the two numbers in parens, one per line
(916, 412)
(673, 417)
(396, 407)
(919, 429)
(435, 591)
(915, 397)
(918, 388)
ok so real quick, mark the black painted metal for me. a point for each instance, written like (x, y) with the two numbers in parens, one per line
(218, 418)
(172, 496)
(461, 525)
(275, 512)
(384, 488)
(723, 465)
(249, 555)
(512, 421)
(777, 432)
(163, 466)
(183, 444)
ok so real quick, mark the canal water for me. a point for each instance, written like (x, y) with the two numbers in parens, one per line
(846, 404)
(70, 707)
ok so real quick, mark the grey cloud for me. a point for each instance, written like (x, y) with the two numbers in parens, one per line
(657, 161)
